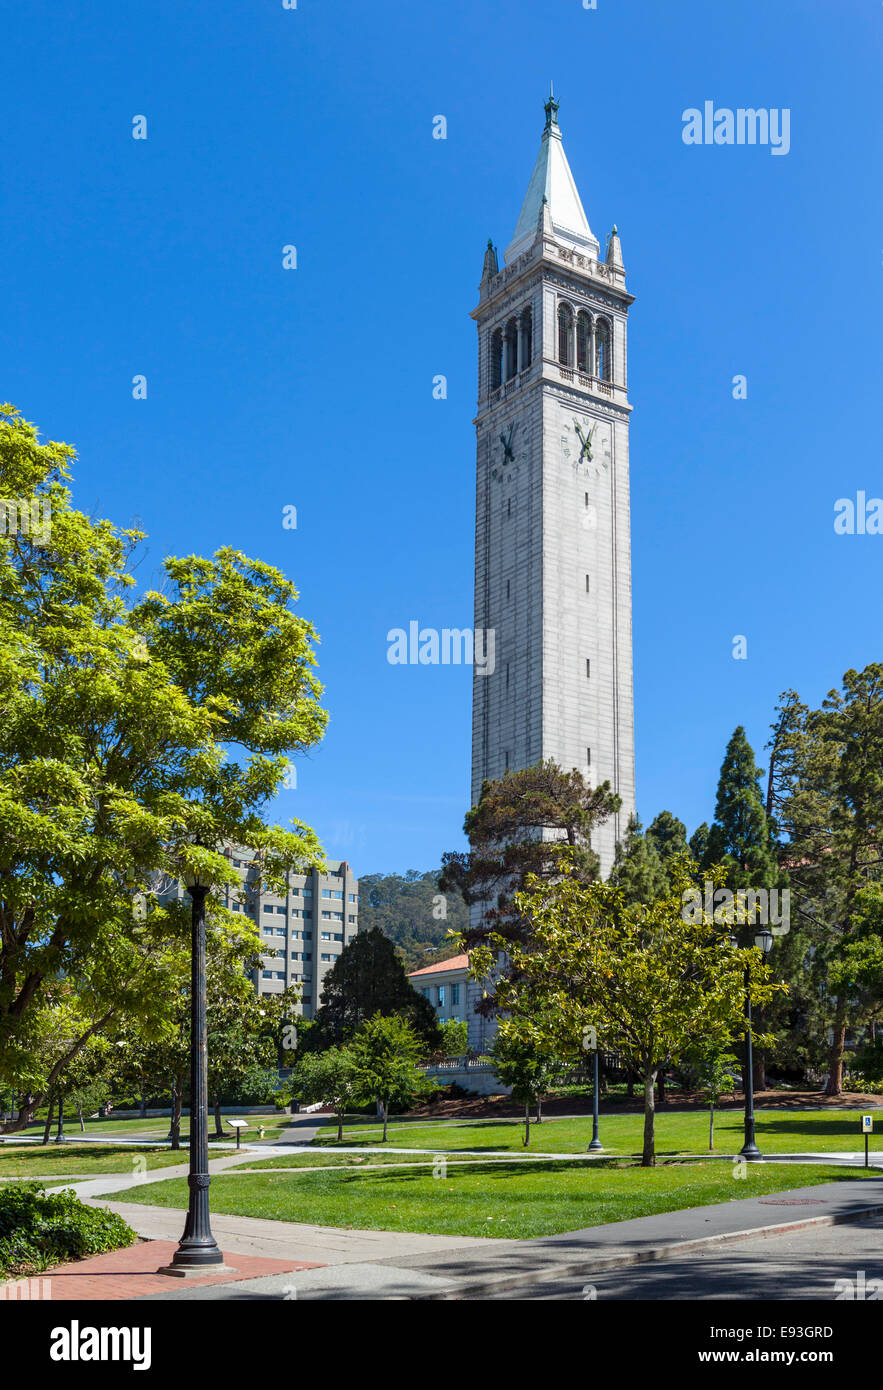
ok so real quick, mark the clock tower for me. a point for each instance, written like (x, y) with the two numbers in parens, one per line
(552, 546)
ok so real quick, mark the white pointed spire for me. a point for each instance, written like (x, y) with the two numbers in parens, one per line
(553, 183)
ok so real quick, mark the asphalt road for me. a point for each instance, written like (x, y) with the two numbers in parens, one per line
(804, 1265)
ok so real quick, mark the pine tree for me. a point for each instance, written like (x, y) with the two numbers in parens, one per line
(740, 837)
(367, 979)
(638, 868)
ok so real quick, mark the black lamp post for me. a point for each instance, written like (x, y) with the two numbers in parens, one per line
(749, 1150)
(596, 1147)
(197, 1251)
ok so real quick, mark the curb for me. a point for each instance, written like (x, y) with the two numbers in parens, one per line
(599, 1264)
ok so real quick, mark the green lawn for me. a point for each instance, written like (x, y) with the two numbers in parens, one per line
(677, 1132)
(509, 1200)
(321, 1158)
(158, 1128)
(66, 1159)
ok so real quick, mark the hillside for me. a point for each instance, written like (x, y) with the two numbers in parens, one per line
(402, 905)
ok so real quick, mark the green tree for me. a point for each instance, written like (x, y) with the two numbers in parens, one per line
(366, 979)
(525, 1065)
(527, 822)
(331, 1077)
(637, 867)
(385, 1051)
(713, 1063)
(454, 1035)
(827, 796)
(668, 835)
(740, 837)
(649, 979)
(136, 738)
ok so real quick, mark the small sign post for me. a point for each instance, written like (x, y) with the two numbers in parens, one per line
(867, 1129)
(239, 1126)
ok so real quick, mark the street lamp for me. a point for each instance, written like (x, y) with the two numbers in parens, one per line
(197, 1251)
(763, 940)
(596, 1146)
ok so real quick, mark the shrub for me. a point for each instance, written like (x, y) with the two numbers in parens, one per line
(39, 1229)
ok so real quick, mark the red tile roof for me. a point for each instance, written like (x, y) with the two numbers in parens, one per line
(452, 963)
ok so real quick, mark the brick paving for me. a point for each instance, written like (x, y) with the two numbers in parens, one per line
(131, 1273)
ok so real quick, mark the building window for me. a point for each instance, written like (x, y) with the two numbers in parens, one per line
(588, 668)
(352, 897)
(602, 350)
(338, 936)
(509, 506)
(351, 919)
(326, 892)
(496, 358)
(268, 907)
(565, 335)
(326, 916)
(506, 756)
(266, 974)
(455, 995)
(526, 338)
(587, 584)
(589, 757)
(281, 911)
(326, 957)
(583, 341)
(441, 996)
(510, 350)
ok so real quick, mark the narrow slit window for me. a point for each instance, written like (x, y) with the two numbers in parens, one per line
(587, 585)
(589, 757)
(588, 668)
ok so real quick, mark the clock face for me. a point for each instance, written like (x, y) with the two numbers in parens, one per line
(586, 444)
(504, 450)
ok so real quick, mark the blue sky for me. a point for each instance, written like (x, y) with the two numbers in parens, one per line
(313, 387)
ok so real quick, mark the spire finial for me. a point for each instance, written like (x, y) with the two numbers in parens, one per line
(551, 108)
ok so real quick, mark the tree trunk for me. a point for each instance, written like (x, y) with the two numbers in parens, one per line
(834, 1084)
(219, 1123)
(80, 1118)
(385, 1117)
(340, 1115)
(48, 1126)
(648, 1157)
(526, 1123)
(711, 1127)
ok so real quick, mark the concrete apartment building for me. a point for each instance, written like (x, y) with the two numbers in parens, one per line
(302, 931)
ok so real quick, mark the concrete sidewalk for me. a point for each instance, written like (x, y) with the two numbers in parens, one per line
(371, 1265)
